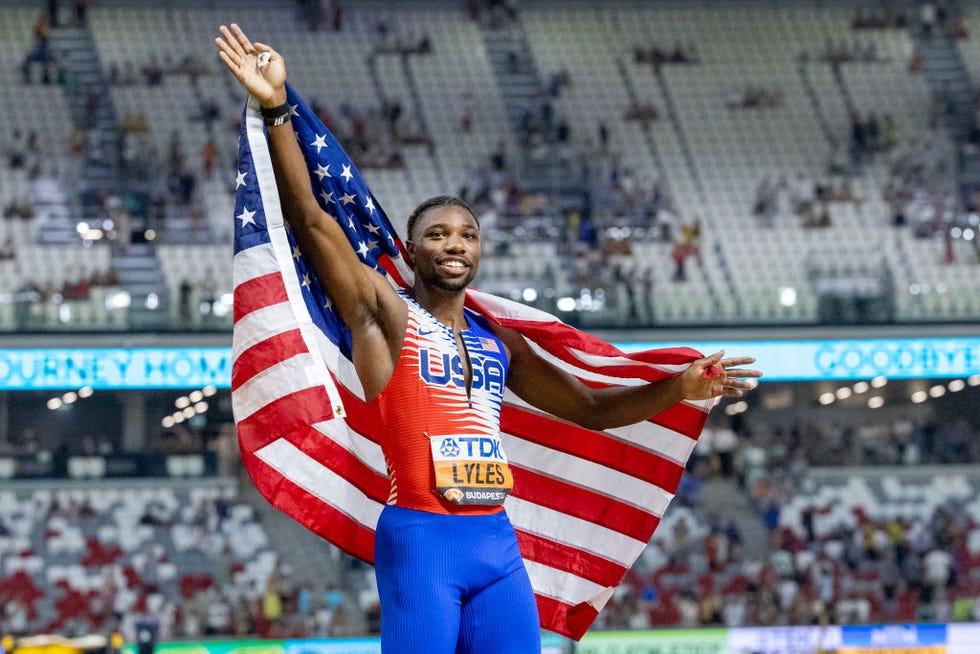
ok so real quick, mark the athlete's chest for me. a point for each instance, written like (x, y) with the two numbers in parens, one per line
(469, 360)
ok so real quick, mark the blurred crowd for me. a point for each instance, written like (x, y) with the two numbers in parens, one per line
(817, 565)
(824, 567)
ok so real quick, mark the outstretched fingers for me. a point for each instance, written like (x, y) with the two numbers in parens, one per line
(730, 387)
(738, 384)
(229, 44)
(732, 371)
(230, 63)
(737, 361)
(235, 48)
(229, 51)
(242, 39)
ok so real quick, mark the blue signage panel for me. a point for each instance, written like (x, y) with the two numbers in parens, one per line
(334, 646)
(115, 368)
(852, 359)
(893, 635)
(550, 644)
(190, 367)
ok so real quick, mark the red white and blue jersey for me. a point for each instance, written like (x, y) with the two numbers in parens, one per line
(441, 441)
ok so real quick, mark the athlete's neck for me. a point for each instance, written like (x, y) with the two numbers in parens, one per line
(445, 306)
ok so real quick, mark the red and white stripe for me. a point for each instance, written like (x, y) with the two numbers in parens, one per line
(584, 503)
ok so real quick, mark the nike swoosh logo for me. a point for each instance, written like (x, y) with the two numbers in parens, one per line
(426, 332)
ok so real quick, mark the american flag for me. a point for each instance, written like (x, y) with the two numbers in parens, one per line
(584, 504)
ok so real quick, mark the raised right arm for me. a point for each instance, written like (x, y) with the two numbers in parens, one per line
(363, 299)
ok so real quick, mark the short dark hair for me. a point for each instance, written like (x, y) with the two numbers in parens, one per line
(436, 202)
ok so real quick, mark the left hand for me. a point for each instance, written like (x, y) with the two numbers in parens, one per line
(714, 376)
(266, 82)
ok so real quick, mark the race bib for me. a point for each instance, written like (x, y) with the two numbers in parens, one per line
(471, 469)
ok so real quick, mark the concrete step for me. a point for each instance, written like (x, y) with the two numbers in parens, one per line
(141, 280)
(519, 81)
(134, 259)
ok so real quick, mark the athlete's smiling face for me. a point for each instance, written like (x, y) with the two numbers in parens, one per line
(445, 248)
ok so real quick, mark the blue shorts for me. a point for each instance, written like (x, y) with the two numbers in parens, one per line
(453, 583)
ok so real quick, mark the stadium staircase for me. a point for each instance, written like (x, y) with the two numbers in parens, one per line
(136, 265)
(727, 277)
(522, 90)
(844, 91)
(675, 121)
(141, 276)
(417, 104)
(55, 208)
(647, 135)
(92, 111)
(728, 500)
(379, 88)
(947, 74)
(520, 85)
(811, 93)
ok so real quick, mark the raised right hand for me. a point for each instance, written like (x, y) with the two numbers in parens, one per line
(267, 83)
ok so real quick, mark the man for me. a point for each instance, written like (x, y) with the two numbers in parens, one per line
(449, 571)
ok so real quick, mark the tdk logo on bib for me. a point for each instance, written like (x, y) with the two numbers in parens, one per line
(471, 469)
(445, 369)
(449, 449)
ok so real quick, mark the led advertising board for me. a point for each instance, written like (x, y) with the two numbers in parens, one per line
(190, 367)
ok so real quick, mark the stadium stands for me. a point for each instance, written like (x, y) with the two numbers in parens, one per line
(78, 558)
(663, 164)
(701, 150)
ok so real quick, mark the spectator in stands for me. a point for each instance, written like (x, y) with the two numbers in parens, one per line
(927, 17)
(108, 277)
(658, 56)
(16, 618)
(764, 207)
(642, 112)
(836, 53)
(691, 238)
(19, 207)
(184, 291)
(272, 606)
(665, 221)
(42, 33)
(725, 444)
(208, 154)
(81, 12)
(147, 627)
(915, 63)
(861, 20)
(152, 72)
(756, 97)
(218, 618)
(336, 15)
(16, 150)
(78, 289)
(680, 254)
(957, 29)
(818, 216)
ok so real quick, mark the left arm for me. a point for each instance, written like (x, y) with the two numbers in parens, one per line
(547, 387)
